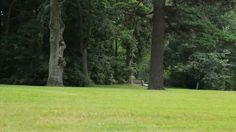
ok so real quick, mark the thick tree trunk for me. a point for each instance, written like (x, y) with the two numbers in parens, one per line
(57, 44)
(156, 80)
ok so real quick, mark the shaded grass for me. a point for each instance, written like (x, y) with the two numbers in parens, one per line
(115, 108)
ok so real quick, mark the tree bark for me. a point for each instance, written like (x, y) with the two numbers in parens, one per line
(84, 53)
(57, 44)
(156, 75)
(85, 64)
(9, 16)
(84, 46)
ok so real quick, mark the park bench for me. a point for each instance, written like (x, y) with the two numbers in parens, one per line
(139, 82)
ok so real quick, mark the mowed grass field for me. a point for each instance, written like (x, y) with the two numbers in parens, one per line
(115, 108)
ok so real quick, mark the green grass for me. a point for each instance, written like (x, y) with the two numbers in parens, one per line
(115, 108)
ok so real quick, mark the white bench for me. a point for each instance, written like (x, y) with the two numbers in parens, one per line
(139, 82)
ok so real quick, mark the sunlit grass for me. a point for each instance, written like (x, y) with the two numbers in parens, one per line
(115, 108)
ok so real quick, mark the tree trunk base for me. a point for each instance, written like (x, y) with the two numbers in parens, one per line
(53, 82)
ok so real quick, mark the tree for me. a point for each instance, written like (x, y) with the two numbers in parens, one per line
(200, 39)
(57, 44)
(110, 40)
(156, 79)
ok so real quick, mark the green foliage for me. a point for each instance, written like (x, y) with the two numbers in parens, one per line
(201, 49)
(73, 76)
(200, 42)
(22, 61)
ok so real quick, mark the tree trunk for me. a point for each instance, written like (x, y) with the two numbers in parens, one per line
(129, 57)
(233, 60)
(85, 64)
(116, 48)
(9, 16)
(84, 46)
(84, 53)
(129, 62)
(234, 81)
(57, 44)
(156, 78)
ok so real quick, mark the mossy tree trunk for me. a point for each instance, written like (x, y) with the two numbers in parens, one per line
(57, 44)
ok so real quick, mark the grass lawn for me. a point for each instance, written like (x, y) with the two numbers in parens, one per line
(115, 108)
